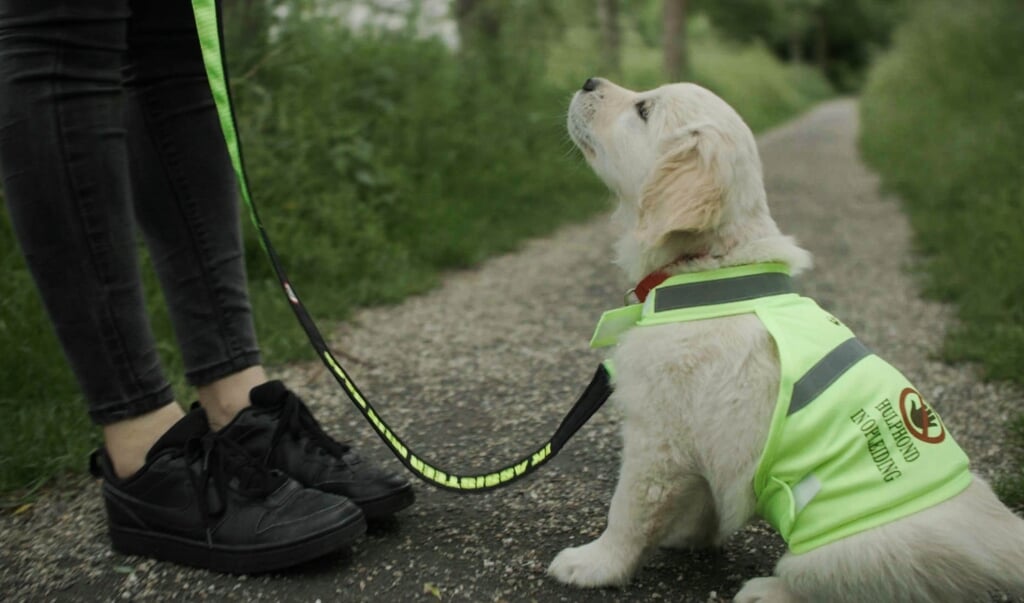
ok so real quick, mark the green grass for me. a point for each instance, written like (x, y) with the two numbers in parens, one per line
(943, 118)
(45, 426)
(377, 162)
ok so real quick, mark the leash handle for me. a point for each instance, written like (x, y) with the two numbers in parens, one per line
(208, 24)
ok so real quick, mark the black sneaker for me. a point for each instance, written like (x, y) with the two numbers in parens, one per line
(280, 429)
(201, 500)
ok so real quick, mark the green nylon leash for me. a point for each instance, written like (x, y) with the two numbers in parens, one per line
(208, 24)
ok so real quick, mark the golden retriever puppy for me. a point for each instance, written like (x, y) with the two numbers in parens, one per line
(863, 521)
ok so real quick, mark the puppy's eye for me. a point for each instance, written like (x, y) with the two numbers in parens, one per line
(643, 110)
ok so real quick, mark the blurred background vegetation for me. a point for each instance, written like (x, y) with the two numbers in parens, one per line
(390, 140)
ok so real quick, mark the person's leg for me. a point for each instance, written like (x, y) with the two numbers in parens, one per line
(127, 441)
(64, 161)
(172, 489)
(224, 398)
(187, 204)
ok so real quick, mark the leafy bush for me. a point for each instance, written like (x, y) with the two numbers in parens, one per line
(944, 123)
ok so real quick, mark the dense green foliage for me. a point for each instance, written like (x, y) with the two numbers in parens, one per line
(944, 124)
(378, 161)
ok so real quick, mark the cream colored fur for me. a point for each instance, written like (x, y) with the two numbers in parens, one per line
(688, 179)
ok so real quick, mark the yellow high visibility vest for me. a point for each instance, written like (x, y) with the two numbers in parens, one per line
(852, 444)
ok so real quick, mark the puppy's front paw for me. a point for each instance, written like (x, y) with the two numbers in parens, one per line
(591, 565)
(766, 590)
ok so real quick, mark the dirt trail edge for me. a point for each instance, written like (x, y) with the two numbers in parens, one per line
(481, 370)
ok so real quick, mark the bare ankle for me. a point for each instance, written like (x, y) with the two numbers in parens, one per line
(226, 397)
(128, 441)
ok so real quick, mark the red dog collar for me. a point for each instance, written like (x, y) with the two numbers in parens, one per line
(652, 280)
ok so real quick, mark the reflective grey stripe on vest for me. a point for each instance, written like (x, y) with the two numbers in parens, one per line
(723, 291)
(825, 372)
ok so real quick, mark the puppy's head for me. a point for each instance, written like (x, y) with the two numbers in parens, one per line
(683, 163)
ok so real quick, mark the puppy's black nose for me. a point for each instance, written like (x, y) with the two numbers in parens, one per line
(590, 85)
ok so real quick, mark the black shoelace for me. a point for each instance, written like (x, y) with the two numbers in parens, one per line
(225, 462)
(297, 422)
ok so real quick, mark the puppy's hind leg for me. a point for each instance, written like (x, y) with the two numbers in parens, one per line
(650, 493)
(697, 525)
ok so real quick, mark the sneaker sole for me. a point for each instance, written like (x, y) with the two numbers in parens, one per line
(237, 559)
(387, 505)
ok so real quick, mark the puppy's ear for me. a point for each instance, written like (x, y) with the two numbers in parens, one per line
(684, 191)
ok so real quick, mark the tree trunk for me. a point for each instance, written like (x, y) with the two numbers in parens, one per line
(461, 11)
(676, 55)
(611, 36)
(821, 43)
(476, 21)
(796, 46)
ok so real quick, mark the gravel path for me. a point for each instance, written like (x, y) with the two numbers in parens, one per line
(481, 369)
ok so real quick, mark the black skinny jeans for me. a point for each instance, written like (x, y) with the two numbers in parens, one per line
(106, 121)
